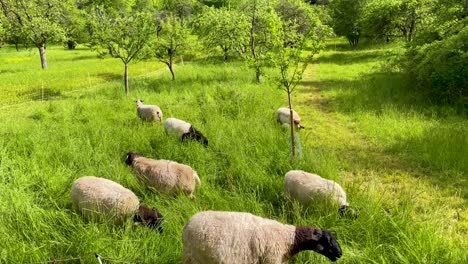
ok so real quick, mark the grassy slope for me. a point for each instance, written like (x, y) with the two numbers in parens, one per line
(46, 145)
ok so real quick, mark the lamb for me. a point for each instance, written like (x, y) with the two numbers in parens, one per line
(283, 117)
(238, 238)
(148, 112)
(184, 130)
(303, 187)
(164, 175)
(98, 198)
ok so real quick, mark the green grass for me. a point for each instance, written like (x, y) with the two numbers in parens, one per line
(408, 182)
(23, 80)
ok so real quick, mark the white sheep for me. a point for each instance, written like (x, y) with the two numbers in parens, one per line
(184, 130)
(239, 238)
(165, 176)
(304, 187)
(98, 198)
(283, 117)
(148, 112)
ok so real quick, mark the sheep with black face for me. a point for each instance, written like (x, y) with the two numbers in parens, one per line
(99, 198)
(236, 238)
(184, 130)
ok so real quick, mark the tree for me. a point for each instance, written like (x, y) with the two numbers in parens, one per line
(122, 34)
(37, 21)
(75, 25)
(183, 9)
(380, 17)
(346, 15)
(171, 39)
(292, 58)
(264, 24)
(227, 29)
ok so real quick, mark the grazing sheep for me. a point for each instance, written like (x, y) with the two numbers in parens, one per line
(184, 130)
(303, 186)
(238, 238)
(164, 175)
(98, 198)
(283, 117)
(148, 112)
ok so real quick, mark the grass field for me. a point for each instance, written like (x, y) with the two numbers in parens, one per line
(402, 162)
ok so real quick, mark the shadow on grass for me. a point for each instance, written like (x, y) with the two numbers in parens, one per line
(183, 81)
(107, 76)
(85, 57)
(10, 71)
(39, 94)
(350, 58)
(216, 60)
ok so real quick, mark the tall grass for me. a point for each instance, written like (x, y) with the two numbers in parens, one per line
(45, 146)
(23, 80)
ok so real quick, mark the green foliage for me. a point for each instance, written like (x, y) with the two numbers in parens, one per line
(222, 3)
(379, 18)
(37, 21)
(75, 25)
(346, 15)
(265, 26)
(183, 9)
(445, 20)
(223, 28)
(121, 34)
(440, 69)
(172, 39)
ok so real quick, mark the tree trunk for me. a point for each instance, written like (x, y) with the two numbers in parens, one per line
(291, 120)
(465, 9)
(170, 67)
(71, 44)
(126, 78)
(225, 54)
(258, 75)
(17, 45)
(411, 26)
(42, 54)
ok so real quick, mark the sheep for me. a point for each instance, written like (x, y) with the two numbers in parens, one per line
(148, 112)
(97, 198)
(283, 117)
(303, 187)
(184, 130)
(237, 238)
(165, 176)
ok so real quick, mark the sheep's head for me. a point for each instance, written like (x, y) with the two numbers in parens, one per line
(320, 241)
(297, 123)
(149, 217)
(159, 116)
(348, 212)
(328, 246)
(194, 134)
(130, 157)
(139, 102)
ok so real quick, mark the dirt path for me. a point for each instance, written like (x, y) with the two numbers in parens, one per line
(363, 163)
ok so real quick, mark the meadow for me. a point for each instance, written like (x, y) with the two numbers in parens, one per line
(402, 161)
